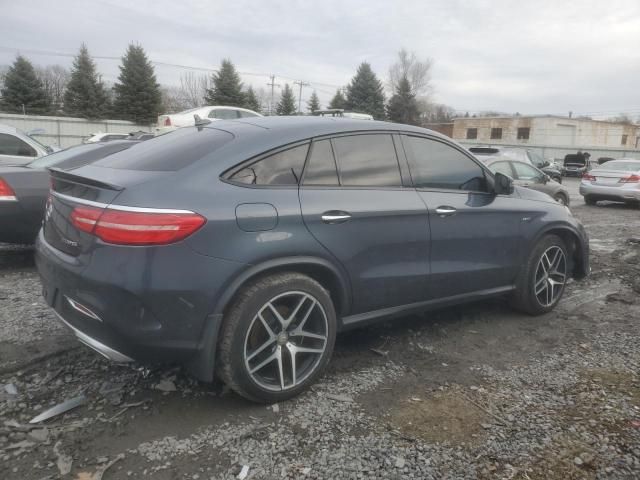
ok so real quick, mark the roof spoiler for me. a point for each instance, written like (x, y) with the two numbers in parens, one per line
(69, 177)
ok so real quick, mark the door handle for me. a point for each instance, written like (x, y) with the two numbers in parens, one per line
(446, 211)
(335, 216)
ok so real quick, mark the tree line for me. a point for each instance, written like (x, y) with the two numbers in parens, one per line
(138, 97)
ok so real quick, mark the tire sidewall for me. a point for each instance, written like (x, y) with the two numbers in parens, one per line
(536, 254)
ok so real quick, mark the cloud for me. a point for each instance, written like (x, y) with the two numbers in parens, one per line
(540, 56)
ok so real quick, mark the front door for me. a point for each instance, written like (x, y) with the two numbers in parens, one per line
(373, 225)
(474, 233)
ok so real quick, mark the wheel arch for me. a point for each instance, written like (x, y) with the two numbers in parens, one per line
(577, 248)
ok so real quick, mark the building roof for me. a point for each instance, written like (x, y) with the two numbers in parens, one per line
(559, 117)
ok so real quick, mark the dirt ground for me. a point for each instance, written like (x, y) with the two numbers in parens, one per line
(474, 391)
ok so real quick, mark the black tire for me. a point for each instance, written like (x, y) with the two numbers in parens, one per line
(561, 198)
(524, 298)
(239, 319)
(589, 200)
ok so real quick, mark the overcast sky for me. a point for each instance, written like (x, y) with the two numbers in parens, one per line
(529, 57)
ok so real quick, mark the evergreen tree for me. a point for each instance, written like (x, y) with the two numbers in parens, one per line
(22, 87)
(85, 95)
(403, 107)
(287, 103)
(251, 101)
(137, 93)
(338, 100)
(313, 103)
(227, 87)
(365, 93)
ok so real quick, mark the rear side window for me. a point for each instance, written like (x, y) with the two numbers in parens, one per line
(224, 114)
(437, 165)
(321, 167)
(282, 168)
(367, 161)
(169, 152)
(244, 114)
(524, 171)
(11, 145)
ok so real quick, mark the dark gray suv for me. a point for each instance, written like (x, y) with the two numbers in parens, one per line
(241, 248)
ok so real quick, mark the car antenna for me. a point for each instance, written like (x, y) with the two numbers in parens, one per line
(201, 122)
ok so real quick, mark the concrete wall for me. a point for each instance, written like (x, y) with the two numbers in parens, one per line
(66, 131)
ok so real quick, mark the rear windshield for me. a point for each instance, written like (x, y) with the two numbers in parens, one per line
(623, 166)
(169, 152)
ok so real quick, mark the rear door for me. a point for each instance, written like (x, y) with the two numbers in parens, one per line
(527, 176)
(15, 151)
(474, 233)
(372, 223)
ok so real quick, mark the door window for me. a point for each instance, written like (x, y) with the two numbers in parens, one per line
(435, 164)
(321, 166)
(524, 171)
(282, 168)
(12, 145)
(367, 161)
(243, 114)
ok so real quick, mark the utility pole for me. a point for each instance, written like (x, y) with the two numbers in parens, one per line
(302, 84)
(272, 84)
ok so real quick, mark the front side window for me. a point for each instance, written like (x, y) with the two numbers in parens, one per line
(12, 145)
(367, 161)
(321, 166)
(437, 165)
(524, 171)
(282, 168)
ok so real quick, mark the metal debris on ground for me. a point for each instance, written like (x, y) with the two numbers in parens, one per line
(382, 353)
(11, 389)
(166, 385)
(60, 409)
(339, 398)
(63, 461)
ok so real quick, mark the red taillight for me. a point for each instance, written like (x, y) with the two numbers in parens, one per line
(588, 177)
(124, 227)
(6, 192)
(631, 179)
(167, 122)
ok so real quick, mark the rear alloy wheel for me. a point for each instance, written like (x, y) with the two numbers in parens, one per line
(561, 198)
(277, 338)
(541, 283)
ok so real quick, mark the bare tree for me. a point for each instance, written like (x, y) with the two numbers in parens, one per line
(54, 78)
(438, 113)
(193, 89)
(173, 99)
(416, 71)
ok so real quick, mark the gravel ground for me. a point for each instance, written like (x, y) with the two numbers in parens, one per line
(475, 391)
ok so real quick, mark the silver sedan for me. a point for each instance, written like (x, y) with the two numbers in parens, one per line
(616, 180)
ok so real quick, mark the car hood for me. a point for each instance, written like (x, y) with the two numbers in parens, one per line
(529, 194)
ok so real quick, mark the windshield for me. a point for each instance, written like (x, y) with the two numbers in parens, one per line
(537, 159)
(45, 147)
(57, 157)
(621, 165)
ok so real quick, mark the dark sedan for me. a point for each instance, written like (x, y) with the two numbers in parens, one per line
(24, 188)
(242, 247)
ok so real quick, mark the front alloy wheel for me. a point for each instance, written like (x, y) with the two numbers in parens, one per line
(551, 275)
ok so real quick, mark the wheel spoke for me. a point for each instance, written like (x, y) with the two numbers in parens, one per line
(301, 333)
(295, 311)
(306, 315)
(541, 285)
(266, 361)
(266, 326)
(273, 309)
(278, 355)
(292, 353)
(271, 341)
(309, 350)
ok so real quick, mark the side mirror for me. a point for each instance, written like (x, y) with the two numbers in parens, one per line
(503, 184)
(545, 163)
(546, 178)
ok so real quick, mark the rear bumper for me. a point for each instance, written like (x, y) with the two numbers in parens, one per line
(17, 225)
(130, 303)
(624, 193)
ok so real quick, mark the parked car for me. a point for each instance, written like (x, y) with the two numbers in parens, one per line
(575, 164)
(140, 135)
(105, 137)
(616, 180)
(526, 175)
(527, 155)
(241, 248)
(341, 113)
(18, 148)
(24, 189)
(168, 123)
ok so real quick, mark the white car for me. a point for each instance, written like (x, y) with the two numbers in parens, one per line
(18, 148)
(167, 123)
(105, 137)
